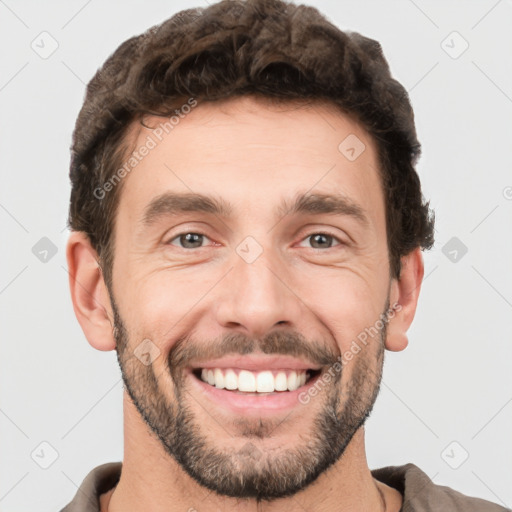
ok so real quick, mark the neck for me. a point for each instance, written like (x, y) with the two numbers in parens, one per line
(153, 480)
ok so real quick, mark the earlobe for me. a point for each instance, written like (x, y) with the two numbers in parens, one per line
(404, 295)
(89, 293)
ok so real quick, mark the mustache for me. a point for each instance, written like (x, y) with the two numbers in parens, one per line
(186, 350)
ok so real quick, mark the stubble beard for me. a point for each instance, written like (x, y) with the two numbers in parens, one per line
(251, 472)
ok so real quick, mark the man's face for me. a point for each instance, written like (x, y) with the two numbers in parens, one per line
(268, 296)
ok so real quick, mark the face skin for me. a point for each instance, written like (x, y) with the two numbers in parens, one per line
(285, 291)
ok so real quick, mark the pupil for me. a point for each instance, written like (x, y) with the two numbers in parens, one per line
(320, 237)
(189, 238)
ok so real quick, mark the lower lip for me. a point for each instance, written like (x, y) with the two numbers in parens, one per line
(246, 404)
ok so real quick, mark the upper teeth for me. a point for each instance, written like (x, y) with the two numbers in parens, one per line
(263, 382)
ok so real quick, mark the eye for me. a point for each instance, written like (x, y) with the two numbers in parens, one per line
(322, 240)
(193, 240)
(189, 240)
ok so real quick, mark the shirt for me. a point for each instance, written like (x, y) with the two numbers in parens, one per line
(419, 493)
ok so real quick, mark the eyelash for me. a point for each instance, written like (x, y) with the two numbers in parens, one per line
(325, 233)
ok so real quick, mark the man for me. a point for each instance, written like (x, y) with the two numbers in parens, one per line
(247, 233)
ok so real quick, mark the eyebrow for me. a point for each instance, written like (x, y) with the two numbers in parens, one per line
(173, 204)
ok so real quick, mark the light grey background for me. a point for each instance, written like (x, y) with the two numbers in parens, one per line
(453, 382)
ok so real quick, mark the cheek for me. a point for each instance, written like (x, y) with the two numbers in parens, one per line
(158, 304)
(345, 300)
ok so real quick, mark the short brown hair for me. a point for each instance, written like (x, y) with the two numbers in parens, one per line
(268, 48)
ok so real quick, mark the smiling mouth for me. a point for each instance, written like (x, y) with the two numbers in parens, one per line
(246, 382)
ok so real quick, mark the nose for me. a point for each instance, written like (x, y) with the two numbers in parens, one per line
(256, 297)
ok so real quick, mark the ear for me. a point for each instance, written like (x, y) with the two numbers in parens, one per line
(404, 294)
(89, 293)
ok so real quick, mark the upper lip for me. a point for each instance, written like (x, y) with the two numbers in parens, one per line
(258, 363)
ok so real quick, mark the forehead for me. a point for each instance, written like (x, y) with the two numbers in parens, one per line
(251, 152)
